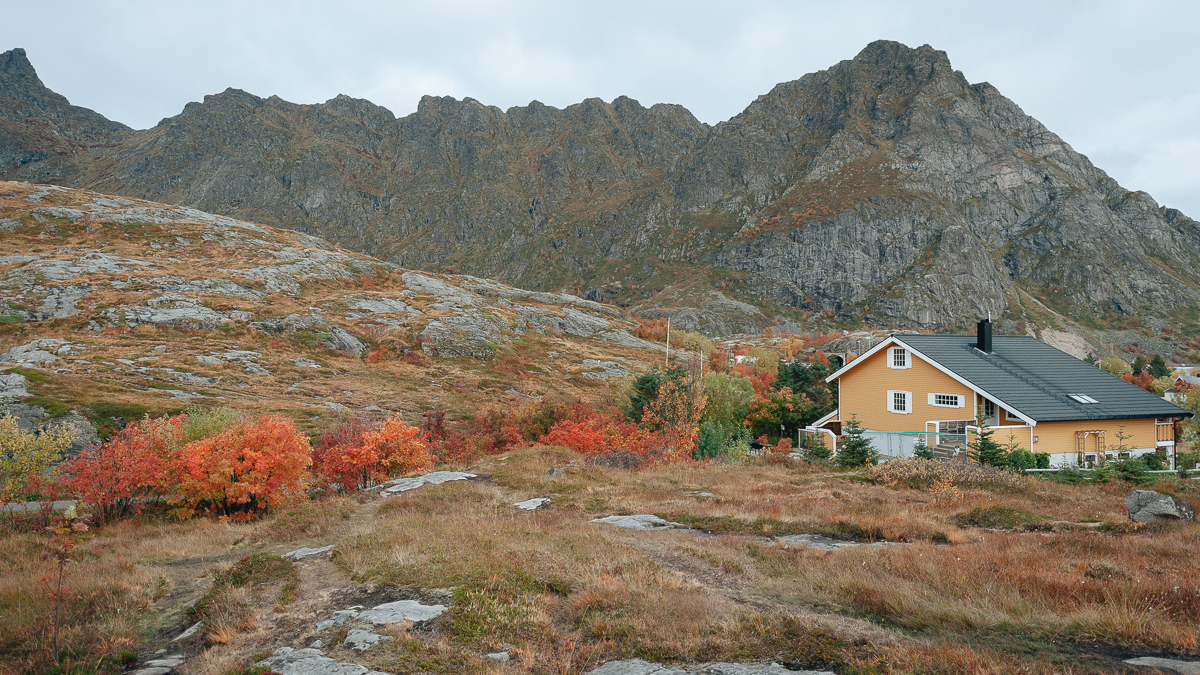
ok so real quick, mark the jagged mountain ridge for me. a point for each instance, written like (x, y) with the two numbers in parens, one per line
(885, 189)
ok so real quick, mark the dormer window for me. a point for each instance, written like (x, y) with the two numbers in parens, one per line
(1082, 398)
(899, 358)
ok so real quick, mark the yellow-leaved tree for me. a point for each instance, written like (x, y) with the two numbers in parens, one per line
(26, 457)
(675, 414)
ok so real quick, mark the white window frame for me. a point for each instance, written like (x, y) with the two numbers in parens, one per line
(908, 402)
(1010, 417)
(891, 358)
(962, 401)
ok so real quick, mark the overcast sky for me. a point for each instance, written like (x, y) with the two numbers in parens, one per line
(1118, 81)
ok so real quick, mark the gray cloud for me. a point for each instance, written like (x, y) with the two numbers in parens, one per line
(1116, 80)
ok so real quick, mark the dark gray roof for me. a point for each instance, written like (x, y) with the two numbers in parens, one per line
(1036, 379)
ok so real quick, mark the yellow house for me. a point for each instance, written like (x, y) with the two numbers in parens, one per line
(1034, 396)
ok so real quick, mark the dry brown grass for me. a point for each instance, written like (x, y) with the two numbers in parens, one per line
(550, 578)
(118, 577)
(562, 594)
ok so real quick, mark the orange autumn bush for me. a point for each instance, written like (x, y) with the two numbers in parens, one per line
(361, 453)
(397, 448)
(599, 434)
(339, 458)
(116, 477)
(252, 466)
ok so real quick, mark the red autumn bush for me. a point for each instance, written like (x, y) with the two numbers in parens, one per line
(596, 432)
(362, 453)
(489, 432)
(1142, 379)
(335, 451)
(251, 467)
(131, 467)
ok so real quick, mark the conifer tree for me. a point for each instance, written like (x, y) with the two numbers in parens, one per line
(855, 450)
(985, 449)
(921, 449)
(1158, 367)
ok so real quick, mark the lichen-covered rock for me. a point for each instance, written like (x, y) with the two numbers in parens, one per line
(343, 341)
(1147, 506)
(288, 661)
(639, 522)
(13, 385)
(38, 352)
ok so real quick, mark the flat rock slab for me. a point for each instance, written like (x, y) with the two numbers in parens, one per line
(436, 478)
(823, 543)
(362, 640)
(755, 669)
(1169, 665)
(634, 667)
(340, 617)
(532, 504)
(173, 661)
(640, 522)
(189, 632)
(401, 610)
(640, 667)
(305, 552)
(156, 670)
(287, 661)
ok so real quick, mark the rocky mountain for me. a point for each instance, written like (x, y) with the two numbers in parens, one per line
(115, 307)
(886, 189)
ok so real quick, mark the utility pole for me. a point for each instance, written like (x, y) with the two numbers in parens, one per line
(667, 360)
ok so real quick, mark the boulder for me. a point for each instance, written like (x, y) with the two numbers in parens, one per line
(13, 385)
(343, 341)
(1147, 506)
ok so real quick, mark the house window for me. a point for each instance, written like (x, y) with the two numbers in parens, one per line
(898, 402)
(947, 400)
(989, 408)
(899, 358)
(1012, 416)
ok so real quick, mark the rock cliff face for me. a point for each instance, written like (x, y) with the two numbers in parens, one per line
(885, 189)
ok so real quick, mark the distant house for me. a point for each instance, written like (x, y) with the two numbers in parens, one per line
(1182, 383)
(1185, 381)
(1035, 396)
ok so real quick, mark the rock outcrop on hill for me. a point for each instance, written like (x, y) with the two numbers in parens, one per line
(885, 189)
(119, 307)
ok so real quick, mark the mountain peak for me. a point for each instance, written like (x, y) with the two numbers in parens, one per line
(18, 79)
(15, 62)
